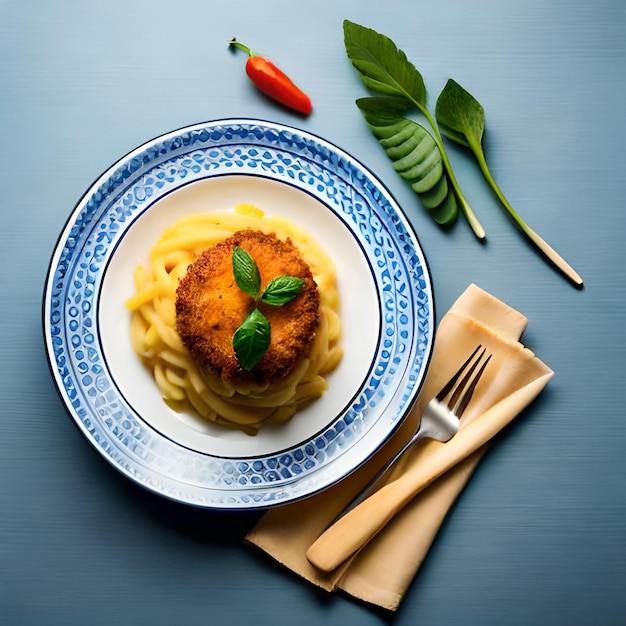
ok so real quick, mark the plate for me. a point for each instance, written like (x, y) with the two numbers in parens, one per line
(387, 313)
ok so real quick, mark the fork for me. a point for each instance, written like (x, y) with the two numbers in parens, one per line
(440, 421)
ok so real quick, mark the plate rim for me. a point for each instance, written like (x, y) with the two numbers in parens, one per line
(306, 134)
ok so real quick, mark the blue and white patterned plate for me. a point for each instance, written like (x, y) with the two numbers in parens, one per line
(387, 313)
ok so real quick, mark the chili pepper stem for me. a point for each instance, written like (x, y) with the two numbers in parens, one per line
(237, 44)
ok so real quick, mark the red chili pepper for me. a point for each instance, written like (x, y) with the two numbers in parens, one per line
(273, 82)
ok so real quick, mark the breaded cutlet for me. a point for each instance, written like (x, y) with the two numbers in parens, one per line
(210, 307)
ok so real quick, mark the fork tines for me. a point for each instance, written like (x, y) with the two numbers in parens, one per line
(457, 403)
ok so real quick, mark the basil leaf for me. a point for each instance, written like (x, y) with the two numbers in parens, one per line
(251, 339)
(381, 65)
(282, 289)
(414, 154)
(246, 272)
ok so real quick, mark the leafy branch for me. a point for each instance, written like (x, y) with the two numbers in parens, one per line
(385, 69)
(462, 119)
(252, 339)
(414, 155)
(417, 155)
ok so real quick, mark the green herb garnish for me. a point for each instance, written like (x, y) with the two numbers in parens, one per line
(462, 119)
(252, 338)
(385, 69)
(281, 290)
(246, 272)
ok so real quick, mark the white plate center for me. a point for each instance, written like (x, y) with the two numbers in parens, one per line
(359, 312)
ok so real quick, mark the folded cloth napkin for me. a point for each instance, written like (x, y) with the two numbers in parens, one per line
(381, 572)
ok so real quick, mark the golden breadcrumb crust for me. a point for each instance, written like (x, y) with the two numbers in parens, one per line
(210, 307)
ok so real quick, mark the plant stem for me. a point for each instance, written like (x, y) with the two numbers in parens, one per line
(471, 217)
(540, 243)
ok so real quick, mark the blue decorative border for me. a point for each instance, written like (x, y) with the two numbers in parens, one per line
(127, 190)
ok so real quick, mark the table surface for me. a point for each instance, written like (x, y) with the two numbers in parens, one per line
(538, 536)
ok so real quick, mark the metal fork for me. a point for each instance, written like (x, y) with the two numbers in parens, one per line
(440, 419)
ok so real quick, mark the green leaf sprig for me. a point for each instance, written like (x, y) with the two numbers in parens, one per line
(414, 155)
(418, 156)
(462, 119)
(252, 339)
(385, 69)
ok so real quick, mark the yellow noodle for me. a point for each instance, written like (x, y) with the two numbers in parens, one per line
(167, 389)
(151, 339)
(155, 339)
(188, 241)
(174, 378)
(198, 403)
(311, 390)
(334, 323)
(178, 257)
(165, 309)
(146, 294)
(177, 359)
(334, 358)
(138, 329)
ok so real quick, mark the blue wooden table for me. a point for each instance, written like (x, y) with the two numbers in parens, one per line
(539, 535)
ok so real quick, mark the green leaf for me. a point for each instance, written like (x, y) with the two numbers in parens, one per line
(384, 68)
(381, 65)
(414, 154)
(251, 339)
(282, 289)
(246, 272)
(460, 116)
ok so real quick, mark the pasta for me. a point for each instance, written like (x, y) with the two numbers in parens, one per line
(155, 339)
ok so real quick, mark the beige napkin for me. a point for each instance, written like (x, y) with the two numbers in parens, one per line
(381, 572)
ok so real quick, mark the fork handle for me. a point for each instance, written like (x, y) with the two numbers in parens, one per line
(353, 530)
(369, 489)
